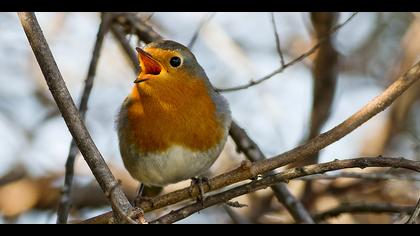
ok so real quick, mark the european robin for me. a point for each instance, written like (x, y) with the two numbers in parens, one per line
(173, 125)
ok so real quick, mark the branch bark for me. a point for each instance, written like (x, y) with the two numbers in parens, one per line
(65, 201)
(324, 77)
(363, 176)
(74, 121)
(362, 208)
(285, 176)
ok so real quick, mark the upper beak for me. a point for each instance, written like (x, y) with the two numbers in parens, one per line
(149, 66)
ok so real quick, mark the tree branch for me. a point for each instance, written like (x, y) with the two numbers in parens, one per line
(120, 36)
(74, 122)
(284, 177)
(415, 214)
(276, 36)
(362, 208)
(363, 176)
(65, 201)
(200, 26)
(285, 66)
(132, 21)
(324, 77)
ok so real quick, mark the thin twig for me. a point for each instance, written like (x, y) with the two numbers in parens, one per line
(65, 201)
(71, 116)
(143, 31)
(284, 177)
(236, 218)
(252, 170)
(362, 208)
(282, 68)
(120, 36)
(202, 24)
(149, 17)
(364, 176)
(276, 35)
(415, 214)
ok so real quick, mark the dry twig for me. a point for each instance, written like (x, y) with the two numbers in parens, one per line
(287, 65)
(362, 208)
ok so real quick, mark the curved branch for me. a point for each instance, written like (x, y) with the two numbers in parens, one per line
(363, 176)
(284, 177)
(74, 121)
(363, 208)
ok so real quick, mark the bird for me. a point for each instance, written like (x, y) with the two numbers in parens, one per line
(173, 125)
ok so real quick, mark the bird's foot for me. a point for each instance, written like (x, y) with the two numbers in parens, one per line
(199, 181)
(140, 198)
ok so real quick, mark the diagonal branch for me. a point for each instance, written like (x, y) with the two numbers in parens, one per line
(65, 201)
(415, 214)
(364, 176)
(287, 65)
(284, 177)
(362, 208)
(120, 36)
(202, 24)
(110, 186)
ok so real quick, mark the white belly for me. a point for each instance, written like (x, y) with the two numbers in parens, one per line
(174, 165)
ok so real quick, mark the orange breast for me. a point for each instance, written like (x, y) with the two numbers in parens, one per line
(172, 112)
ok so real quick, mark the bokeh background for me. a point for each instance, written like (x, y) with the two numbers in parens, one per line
(233, 48)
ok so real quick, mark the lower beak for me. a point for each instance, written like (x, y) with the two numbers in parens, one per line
(148, 65)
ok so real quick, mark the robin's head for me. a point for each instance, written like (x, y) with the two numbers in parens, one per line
(166, 63)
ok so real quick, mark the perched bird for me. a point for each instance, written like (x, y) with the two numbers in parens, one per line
(173, 125)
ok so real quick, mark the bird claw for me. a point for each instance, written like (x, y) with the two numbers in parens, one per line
(199, 181)
(140, 199)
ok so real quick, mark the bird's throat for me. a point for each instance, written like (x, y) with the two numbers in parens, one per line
(159, 118)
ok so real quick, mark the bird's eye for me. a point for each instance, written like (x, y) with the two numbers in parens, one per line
(175, 61)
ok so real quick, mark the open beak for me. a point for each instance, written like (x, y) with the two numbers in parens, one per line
(149, 66)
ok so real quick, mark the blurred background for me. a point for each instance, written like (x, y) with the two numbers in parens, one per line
(353, 66)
